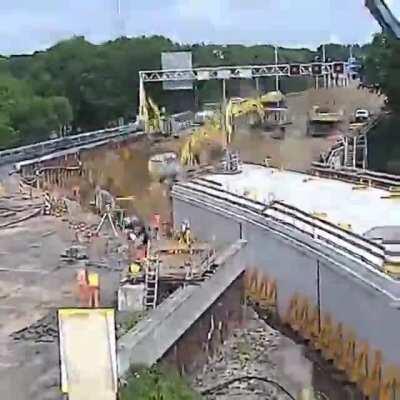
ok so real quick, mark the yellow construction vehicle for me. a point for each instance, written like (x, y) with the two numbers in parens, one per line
(221, 128)
(250, 109)
(276, 110)
(322, 121)
(152, 116)
(191, 149)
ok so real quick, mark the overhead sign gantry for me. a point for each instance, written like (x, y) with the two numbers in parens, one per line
(224, 73)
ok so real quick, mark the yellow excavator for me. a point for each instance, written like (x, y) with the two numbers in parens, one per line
(220, 130)
(151, 116)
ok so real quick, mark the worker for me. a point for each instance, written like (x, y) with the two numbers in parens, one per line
(182, 232)
(156, 226)
(82, 282)
(185, 235)
(188, 234)
(94, 289)
(135, 270)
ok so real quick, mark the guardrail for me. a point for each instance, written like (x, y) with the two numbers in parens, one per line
(50, 146)
(360, 176)
(346, 242)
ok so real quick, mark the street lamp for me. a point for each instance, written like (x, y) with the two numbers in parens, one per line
(276, 70)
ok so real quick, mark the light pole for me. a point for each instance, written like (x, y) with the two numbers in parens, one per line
(276, 70)
(324, 61)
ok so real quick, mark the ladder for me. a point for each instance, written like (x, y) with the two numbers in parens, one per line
(151, 283)
(356, 151)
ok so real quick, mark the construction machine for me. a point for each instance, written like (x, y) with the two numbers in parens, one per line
(221, 128)
(384, 16)
(276, 110)
(322, 121)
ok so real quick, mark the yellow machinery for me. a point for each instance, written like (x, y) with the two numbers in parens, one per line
(322, 121)
(275, 108)
(220, 129)
(152, 116)
(190, 152)
(237, 109)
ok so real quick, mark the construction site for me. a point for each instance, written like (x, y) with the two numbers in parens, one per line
(234, 245)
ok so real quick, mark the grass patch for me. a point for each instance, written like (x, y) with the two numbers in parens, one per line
(157, 384)
(127, 320)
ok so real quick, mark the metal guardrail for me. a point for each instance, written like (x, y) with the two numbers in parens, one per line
(360, 176)
(347, 242)
(49, 146)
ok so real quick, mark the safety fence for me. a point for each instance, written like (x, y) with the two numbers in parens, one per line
(321, 231)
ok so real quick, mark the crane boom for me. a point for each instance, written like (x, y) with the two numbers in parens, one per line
(384, 16)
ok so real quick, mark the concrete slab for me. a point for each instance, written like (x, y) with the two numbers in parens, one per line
(363, 209)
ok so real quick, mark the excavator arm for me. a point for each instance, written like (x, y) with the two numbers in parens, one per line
(384, 16)
(214, 132)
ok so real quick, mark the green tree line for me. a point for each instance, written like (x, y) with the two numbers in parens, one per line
(84, 86)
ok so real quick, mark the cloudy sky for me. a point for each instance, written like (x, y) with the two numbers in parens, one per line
(29, 25)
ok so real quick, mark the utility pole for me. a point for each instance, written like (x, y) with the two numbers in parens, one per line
(276, 65)
(324, 61)
(120, 20)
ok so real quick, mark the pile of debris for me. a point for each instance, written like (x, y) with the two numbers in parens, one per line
(15, 209)
(42, 331)
(74, 254)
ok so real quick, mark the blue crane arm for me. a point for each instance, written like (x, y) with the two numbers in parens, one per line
(384, 16)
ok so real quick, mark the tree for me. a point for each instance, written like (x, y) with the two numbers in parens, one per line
(62, 112)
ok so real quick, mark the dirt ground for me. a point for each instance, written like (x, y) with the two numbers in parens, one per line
(34, 283)
(297, 151)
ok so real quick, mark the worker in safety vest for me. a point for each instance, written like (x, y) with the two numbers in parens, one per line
(94, 289)
(135, 271)
(185, 234)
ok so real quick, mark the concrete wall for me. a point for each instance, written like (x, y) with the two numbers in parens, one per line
(205, 337)
(152, 338)
(220, 229)
(367, 311)
(353, 294)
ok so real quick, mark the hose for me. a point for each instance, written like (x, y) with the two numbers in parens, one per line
(246, 378)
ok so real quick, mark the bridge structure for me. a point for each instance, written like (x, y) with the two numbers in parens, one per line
(327, 266)
(91, 139)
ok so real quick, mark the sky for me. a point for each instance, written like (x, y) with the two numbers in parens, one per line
(30, 25)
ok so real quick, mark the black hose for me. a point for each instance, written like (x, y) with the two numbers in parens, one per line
(246, 378)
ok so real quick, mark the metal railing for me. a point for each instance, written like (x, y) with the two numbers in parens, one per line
(342, 240)
(49, 146)
(359, 176)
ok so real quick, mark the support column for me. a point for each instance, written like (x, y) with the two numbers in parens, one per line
(223, 94)
(258, 85)
(142, 104)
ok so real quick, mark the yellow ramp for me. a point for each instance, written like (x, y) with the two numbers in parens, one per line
(88, 354)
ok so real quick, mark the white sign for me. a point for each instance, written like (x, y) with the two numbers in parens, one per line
(244, 73)
(224, 74)
(177, 60)
(203, 75)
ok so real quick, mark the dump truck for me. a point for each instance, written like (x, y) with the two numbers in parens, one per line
(276, 110)
(322, 121)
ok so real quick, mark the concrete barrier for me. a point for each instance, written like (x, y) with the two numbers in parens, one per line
(159, 334)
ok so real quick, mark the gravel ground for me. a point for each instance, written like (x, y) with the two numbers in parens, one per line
(256, 350)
